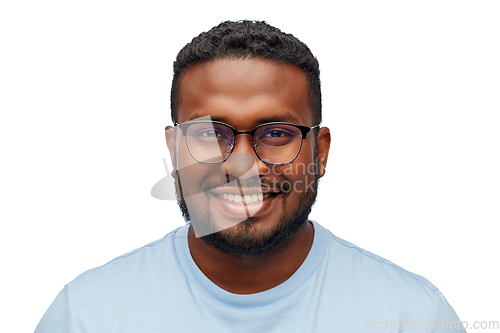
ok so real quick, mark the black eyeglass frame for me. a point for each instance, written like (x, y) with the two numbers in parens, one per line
(303, 129)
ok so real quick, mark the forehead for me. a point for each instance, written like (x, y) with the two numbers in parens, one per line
(245, 92)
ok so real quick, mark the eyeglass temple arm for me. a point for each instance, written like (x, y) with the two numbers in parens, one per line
(305, 130)
(177, 125)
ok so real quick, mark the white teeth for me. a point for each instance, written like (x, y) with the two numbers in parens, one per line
(238, 198)
(247, 198)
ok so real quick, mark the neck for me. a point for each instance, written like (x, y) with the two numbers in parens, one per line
(252, 274)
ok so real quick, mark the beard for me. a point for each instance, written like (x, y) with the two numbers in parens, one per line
(244, 239)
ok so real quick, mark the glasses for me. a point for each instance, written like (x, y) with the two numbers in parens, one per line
(274, 143)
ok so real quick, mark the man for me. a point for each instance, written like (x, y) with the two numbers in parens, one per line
(248, 152)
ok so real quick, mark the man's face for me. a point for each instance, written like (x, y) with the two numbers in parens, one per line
(245, 93)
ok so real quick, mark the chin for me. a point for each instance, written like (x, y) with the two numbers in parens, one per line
(252, 238)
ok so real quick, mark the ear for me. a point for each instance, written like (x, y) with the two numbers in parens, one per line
(170, 138)
(323, 149)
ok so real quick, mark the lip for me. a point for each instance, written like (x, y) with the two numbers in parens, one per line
(243, 211)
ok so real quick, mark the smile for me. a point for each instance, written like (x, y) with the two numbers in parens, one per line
(233, 205)
(247, 198)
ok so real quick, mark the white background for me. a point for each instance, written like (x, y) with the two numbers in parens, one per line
(410, 92)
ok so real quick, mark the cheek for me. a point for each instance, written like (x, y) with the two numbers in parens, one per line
(189, 171)
(300, 175)
(183, 158)
(295, 179)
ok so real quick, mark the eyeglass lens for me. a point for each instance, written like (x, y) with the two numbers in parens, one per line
(212, 142)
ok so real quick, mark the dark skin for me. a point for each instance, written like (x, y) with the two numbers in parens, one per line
(245, 93)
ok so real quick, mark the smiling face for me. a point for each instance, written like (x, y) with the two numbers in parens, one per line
(248, 206)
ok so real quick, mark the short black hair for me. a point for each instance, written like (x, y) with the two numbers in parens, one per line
(242, 39)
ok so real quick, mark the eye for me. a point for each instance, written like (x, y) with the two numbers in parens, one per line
(212, 134)
(209, 133)
(275, 134)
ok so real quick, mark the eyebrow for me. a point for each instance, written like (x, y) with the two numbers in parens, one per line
(282, 118)
(288, 117)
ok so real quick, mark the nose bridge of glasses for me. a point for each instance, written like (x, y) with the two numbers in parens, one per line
(236, 133)
(241, 160)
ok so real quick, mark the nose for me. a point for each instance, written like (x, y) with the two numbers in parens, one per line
(243, 161)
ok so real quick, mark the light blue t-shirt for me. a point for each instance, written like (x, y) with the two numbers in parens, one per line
(338, 288)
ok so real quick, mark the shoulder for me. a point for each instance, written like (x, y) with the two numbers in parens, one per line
(134, 265)
(365, 276)
(361, 261)
(124, 290)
